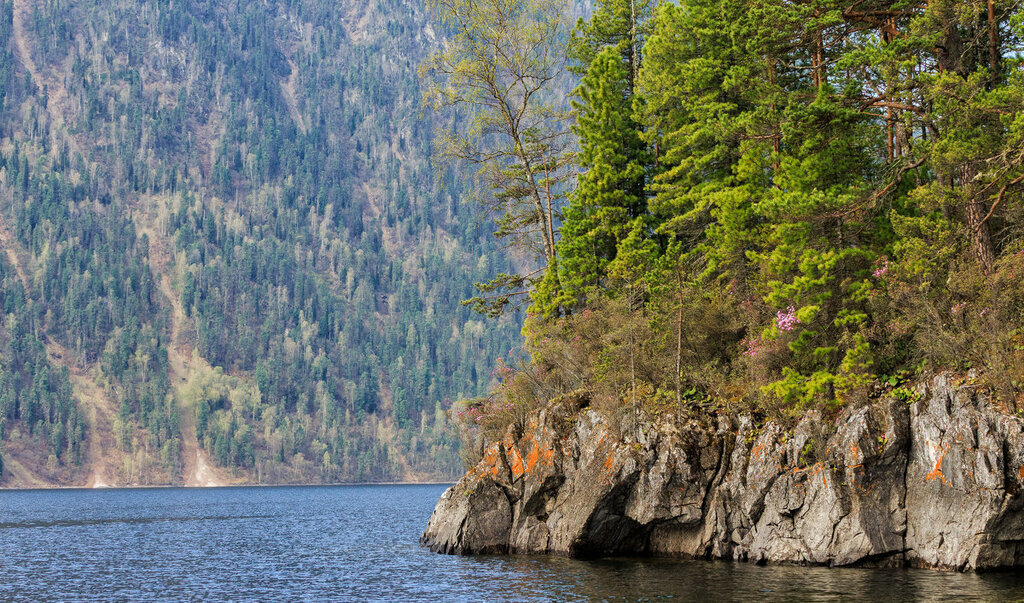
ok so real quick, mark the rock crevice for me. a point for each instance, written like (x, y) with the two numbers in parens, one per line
(936, 483)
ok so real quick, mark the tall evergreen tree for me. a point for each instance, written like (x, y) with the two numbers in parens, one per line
(610, 198)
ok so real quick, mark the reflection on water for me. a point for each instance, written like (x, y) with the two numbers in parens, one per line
(360, 543)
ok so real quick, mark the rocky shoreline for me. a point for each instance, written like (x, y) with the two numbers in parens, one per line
(934, 483)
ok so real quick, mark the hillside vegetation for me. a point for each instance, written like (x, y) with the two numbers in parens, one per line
(229, 256)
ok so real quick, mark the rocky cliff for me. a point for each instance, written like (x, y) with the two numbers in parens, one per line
(933, 483)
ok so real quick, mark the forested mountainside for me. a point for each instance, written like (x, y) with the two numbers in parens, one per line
(227, 254)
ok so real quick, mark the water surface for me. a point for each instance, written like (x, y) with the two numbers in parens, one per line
(361, 543)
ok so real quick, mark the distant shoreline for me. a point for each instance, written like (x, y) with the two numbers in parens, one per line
(170, 487)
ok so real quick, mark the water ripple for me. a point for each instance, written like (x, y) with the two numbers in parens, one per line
(360, 544)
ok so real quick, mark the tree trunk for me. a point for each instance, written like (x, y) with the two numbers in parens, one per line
(632, 355)
(776, 129)
(890, 136)
(980, 236)
(978, 232)
(634, 52)
(950, 54)
(549, 243)
(551, 211)
(679, 347)
(993, 40)
(819, 57)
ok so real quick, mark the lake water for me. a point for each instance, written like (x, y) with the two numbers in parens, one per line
(361, 543)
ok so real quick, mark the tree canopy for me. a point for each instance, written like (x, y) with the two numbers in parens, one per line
(791, 203)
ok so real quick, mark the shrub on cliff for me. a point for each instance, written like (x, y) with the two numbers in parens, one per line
(517, 391)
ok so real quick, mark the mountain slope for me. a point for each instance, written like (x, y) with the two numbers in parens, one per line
(229, 236)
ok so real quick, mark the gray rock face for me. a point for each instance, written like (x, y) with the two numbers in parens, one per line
(937, 483)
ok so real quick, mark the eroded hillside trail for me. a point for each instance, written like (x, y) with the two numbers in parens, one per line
(101, 412)
(97, 407)
(10, 249)
(101, 431)
(57, 102)
(199, 471)
(288, 90)
(183, 360)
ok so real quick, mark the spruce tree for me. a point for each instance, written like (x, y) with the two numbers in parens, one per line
(609, 198)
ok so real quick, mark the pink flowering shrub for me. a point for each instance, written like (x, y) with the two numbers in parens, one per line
(786, 320)
(881, 267)
(752, 347)
(487, 412)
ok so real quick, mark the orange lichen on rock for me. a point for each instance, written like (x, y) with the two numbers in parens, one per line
(491, 459)
(516, 462)
(515, 459)
(528, 461)
(1020, 473)
(937, 472)
(532, 456)
(819, 468)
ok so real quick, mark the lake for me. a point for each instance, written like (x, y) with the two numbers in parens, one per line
(361, 543)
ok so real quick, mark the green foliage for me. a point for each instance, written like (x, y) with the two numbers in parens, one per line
(808, 454)
(619, 24)
(905, 394)
(609, 200)
(840, 190)
(498, 72)
(35, 396)
(266, 161)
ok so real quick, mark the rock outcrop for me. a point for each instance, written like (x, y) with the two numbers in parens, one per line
(934, 483)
